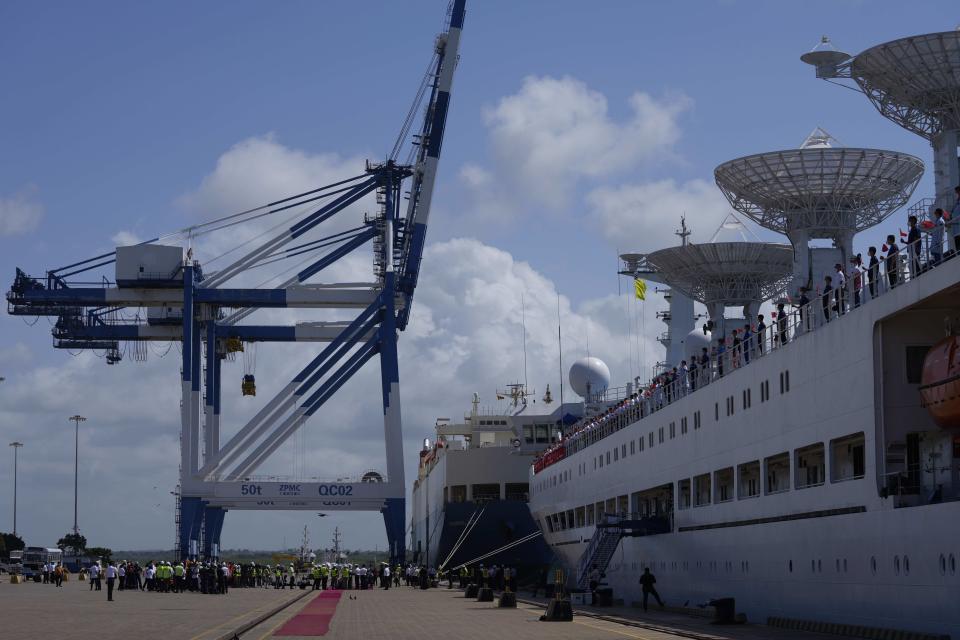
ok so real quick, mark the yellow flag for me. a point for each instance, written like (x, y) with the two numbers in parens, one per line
(640, 288)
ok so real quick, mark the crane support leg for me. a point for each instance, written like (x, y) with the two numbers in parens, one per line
(212, 527)
(191, 521)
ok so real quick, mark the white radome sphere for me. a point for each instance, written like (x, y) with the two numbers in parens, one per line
(694, 343)
(592, 372)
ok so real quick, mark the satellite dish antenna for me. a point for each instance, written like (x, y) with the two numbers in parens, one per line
(825, 58)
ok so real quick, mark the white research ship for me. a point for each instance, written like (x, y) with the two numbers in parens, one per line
(817, 477)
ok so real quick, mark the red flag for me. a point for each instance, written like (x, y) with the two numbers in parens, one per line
(773, 314)
(884, 247)
(902, 234)
(927, 224)
(946, 216)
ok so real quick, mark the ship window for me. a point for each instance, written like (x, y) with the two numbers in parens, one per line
(608, 457)
(701, 490)
(633, 447)
(623, 451)
(781, 383)
(543, 434)
(683, 425)
(749, 399)
(549, 522)
(696, 419)
(744, 400)
(953, 564)
(790, 566)
(517, 491)
(716, 411)
(650, 439)
(616, 454)
(673, 430)
(683, 494)
(458, 493)
(589, 510)
(810, 464)
(571, 521)
(748, 480)
(640, 443)
(777, 470)
(600, 512)
(594, 464)
(723, 485)
(787, 379)
(601, 461)
(914, 362)
(580, 516)
(896, 565)
(873, 565)
(528, 433)
(623, 504)
(847, 458)
(660, 435)
(906, 565)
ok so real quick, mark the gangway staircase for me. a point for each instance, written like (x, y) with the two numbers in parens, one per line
(606, 538)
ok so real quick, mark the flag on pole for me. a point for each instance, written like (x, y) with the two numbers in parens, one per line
(640, 288)
(902, 233)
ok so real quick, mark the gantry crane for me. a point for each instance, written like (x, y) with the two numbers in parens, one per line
(205, 311)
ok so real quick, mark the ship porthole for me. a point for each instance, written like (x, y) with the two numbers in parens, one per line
(873, 565)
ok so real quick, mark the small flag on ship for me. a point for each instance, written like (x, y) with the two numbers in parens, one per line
(640, 288)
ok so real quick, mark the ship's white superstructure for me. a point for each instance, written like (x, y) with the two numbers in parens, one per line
(799, 467)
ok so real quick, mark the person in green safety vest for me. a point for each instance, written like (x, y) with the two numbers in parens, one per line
(178, 573)
(278, 577)
(315, 574)
(324, 575)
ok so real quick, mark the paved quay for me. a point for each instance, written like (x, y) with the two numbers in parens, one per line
(411, 614)
(73, 612)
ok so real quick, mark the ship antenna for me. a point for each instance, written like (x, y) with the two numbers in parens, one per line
(684, 233)
(560, 353)
(523, 317)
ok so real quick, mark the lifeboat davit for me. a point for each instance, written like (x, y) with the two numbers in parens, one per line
(940, 383)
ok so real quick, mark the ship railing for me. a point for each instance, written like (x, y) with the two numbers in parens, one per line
(795, 317)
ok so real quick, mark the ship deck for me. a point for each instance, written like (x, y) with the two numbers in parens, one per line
(73, 612)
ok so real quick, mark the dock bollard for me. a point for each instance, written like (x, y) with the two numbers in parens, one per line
(508, 599)
(471, 591)
(485, 594)
(559, 609)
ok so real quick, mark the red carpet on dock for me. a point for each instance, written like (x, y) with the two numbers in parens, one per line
(314, 619)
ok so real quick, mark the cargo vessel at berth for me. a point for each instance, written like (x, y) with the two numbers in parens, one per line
(808, 466)
(472, 487)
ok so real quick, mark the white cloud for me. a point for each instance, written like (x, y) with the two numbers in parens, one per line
(555, 131)
(20, 213)
(125, 238)
(464, 336)
(643, 217)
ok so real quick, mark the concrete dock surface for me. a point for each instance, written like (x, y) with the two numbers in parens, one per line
(74, 612)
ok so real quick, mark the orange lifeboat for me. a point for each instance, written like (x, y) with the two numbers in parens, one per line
(940, 383)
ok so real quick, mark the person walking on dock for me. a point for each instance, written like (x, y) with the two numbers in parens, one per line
(111, 579)
(647, 580)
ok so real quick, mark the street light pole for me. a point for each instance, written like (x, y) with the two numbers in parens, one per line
(77, 419)
(15, 445)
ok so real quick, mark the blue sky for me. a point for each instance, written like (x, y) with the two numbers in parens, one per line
(116, 114)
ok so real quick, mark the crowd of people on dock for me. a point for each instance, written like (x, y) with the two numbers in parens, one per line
(218, 577)
(925, 246)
